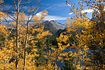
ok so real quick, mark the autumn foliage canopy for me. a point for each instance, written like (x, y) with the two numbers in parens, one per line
(23, 45)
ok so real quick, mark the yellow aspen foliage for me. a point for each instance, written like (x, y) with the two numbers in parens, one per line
(62, 38)
(23, 45)
(89, 37)
(60, 58)
(18, 49)
(45, 12)
(14, 12)
(13, 23)
(39, 29)
(2, 14)
(41, 35)
(35, 19)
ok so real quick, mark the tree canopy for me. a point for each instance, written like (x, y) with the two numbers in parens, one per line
(22, 45)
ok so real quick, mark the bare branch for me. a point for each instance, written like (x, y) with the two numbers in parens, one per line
(21, 8)
(6, 20)
(33, 15)
(15, 5)
(25, 2)
(10, 17)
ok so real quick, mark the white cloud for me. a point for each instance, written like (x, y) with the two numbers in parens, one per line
(7, 18)
(38, 14)
(50, 17)
(88, 11)
(84, 11)
(70, 13)
(68, 4)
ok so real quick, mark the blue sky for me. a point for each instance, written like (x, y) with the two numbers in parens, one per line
(57, 9)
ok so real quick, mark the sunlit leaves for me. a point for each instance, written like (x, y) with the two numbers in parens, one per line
(13, 23)
(38, 29)
(70, 9)
(45, 12)
(90, 35)
(41, 35)
(87, 35)
(2, 14)
(62, 38)
(88, 8)
(35, 19)
(9, 44)
(98, 0)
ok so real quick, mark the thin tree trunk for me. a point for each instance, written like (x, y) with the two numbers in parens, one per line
(25, 47)
(17, 35)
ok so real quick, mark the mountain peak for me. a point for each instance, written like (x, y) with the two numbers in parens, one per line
(53, 26)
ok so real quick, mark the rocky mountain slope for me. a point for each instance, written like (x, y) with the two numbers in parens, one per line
(53, 26)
